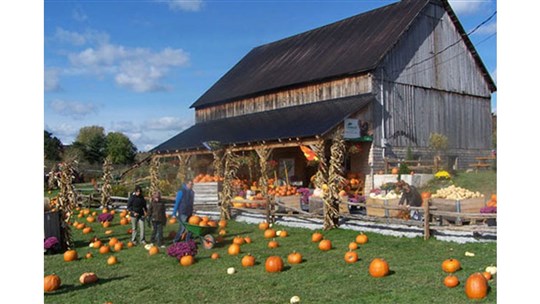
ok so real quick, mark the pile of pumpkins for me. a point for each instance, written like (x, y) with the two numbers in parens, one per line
(476, 285)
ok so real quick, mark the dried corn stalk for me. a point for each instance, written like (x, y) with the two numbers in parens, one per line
(154, 175)
(335, 180)
(183, 161)
(52, 182)
(232, 164)
(107, 179)
(264, 155)
(67, 198)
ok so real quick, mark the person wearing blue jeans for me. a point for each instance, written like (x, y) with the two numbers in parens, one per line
(183, 207)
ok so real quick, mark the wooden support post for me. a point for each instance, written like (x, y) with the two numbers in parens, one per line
(427, 218)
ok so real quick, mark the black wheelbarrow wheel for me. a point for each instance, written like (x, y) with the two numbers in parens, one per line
(208, 241)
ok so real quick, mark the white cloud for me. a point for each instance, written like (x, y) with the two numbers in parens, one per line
(466, 6)
(168, 123)
(74, 38)
(74, 109)
(52, 79)
(185, 5)
(124, 127)
(65, 132)
(138, 69)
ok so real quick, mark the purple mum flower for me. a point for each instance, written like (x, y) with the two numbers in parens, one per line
(50, 242)
(181, 249)
(105, 217)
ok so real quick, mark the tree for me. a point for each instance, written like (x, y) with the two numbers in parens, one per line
(119, 148)
(91, 142)
(53, 147)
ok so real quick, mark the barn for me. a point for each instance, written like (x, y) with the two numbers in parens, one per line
(385, 80)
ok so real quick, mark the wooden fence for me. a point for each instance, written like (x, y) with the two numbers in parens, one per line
(432, 218)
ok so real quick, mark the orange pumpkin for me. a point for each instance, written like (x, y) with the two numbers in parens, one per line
(90, 219)
(361, 239)
(89, 255)
(172, 220)
(118, 246)
(70, 255)
(187, 260)
(104, 249)
(451, 281)
(51, 282)
(316, 237)
(124, 221)
(238, 240)
(325, 245)
(264, 225)
(269, 233)
(96, 244)
(106, 224)
(476, 286)
(351, 257)
(395, 170)
(194, 220)
(353, 246)
(130, 244)
(294, 258)
(112, 260)
(248, 260)
(273, 264)
(113, 241)
(378, 268)
(247, 240)
(283, 233)
(222, 232)
(273, 244)
(88, 278)
(487, 275)
(222, 223)
(451, 265)
(87, 230)
(215, 256)
(234, 249)
(153, 250)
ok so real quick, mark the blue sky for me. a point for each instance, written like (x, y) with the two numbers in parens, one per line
(136, 66)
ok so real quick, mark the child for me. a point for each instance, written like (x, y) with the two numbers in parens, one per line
(156, 213)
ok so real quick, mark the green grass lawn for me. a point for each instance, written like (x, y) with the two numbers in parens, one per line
(323, 277)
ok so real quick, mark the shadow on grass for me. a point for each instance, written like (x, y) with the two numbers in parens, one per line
(72, 287)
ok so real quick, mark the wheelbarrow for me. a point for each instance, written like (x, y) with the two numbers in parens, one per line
(203, 233)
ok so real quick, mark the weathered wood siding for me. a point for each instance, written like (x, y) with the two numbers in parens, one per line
(425, 94)
(432, 54)
(349, 86)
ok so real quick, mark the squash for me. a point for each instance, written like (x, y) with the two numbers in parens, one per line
(451, 265)
(476, 286)
(325, 245)
(88, 278)
(51, 282)
(379, 268)
(187, 260)
(248, 260)
(294, 258)
(351, 257)
(70, 255)
(273, 264)
(451, 281)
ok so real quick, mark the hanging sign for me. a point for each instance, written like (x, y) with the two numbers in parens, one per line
(351, 128)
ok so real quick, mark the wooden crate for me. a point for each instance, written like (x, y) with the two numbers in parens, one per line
(371, 211)
(206, 193)
(470, 205)
(290, 201)
(316, 205)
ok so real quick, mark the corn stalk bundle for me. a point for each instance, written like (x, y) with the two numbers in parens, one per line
(107, 179)
(52, 182)
(264, 155)
(335, 180)
(183, 161)
(67, 198)
(154, 175)
(232, 163)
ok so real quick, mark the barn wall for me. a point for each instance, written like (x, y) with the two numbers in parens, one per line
(349, 86)
(426, 94)
(432, 54)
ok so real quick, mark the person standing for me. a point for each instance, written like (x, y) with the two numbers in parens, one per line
(137, 211)
(156, 214)
(183, 207)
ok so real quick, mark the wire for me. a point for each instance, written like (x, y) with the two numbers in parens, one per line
(456, 42)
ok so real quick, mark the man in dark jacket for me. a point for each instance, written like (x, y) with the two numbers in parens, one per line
(156, 214)
(137, 211)
(183, 205)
